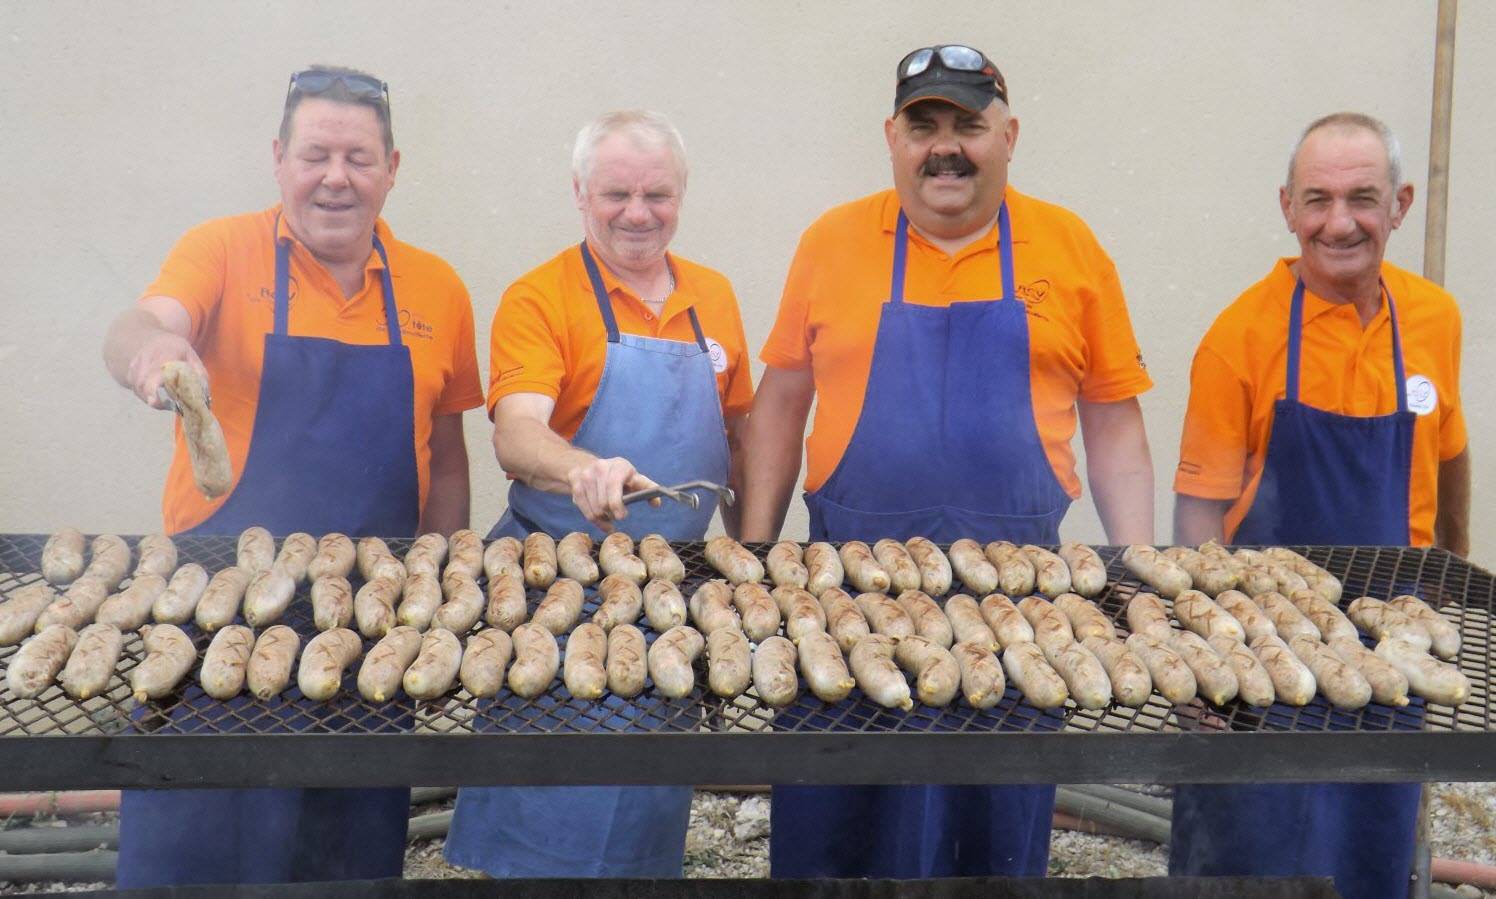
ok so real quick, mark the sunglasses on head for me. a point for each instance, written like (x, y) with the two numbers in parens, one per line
(318, 81)
(955, 57)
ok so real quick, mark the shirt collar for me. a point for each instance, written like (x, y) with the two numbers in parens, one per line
(1284, 282)
(890, 221)
(374, 263)
(614, 285)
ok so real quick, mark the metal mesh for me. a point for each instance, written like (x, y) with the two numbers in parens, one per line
(1460, 591)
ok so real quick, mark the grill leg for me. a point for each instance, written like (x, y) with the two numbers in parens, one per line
(1418, 886)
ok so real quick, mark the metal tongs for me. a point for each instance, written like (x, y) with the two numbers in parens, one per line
(170, 404)
(681, 493)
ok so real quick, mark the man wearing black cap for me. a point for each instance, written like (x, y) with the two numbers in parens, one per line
(954, 330)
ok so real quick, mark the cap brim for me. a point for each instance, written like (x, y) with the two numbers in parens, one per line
(970, 97)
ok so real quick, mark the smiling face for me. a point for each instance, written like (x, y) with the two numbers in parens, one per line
(631, 202)
(1342, 206)
(950, 166)
(334, 175)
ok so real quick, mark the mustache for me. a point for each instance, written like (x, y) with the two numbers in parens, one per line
(948, 165)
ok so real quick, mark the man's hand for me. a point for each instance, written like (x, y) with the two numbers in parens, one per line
(144, 372)
(142, 339)
(597, 489)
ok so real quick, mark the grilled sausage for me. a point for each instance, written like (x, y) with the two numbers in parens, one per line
(502, 557)
(616, 556)
(664, 607)
(270, 665)
(1207, 575)
(256, 550)
(506, 602)
(109, 559)
(169, 655)
(332, 602)
(92, 661)
(220, 602)
(970, 563)
(464, 605)
(982, 681)
(1382, 621)
(621, 602)
(1086, 620)
(1331, 622)
(824, 668)
(374, 607)
(876, 674)
(929, 621)
(1342, 684)
(268, 596)
(1171, 676)
(131, 607)
(324, 661)
(1087, 571)
(1200, 614)
(561, 608)
(1040, 684)
(1389, 686)
(1156, 570)
(201, 432)
(183, 591)
(584, 669)
(903, 574)
(435, 668)
(36, 664)
(670, 657)
(62, 556)
(426, 555)
(483, 662)
(1319, 580)
(156, 554)
(824, 565)
(539, 560)
(1015, 573)
(1146, 615)
(1051, 627)
(536, 658)
(1293, 682)
(1051, 574)
(774, 677)
(1005, 620)
(734, 561)
(335, 557)
(759, 611)
(1286, 578)
(801, 611)
(19, 614)
(465, 553)
(967, 624)
(1214, 679)
(660, 560)
(934, 568)
(844, 620)
(1255, 580)
(574, 558)
(711, 607)
(729, 662)
(1131, 682)
(862, 569)
(1445, 636)
(226, 662)
(1253, 622)
(1285, 616)
(1084, 675)
(1254, 684)
(367, 551)
(785, 565)
(885, 616)
(383, 669)
(78, 605)
(296, 554)
(1429, 678)
(626, 665)
(937, 675)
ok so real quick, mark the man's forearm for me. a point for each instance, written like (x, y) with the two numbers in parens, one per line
(127, 334)
(530, 451)
(447, 502)
(1452, 523)
(732, 515)
(1197, 520)
(1120, 468)
(770, 470)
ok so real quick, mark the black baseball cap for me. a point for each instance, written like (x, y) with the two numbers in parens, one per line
(954, 73)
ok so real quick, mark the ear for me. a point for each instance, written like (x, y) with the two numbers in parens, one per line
(277, 152)
(1404, 203)
(890, 133)
(394, 165)
(577, 193)
(1010, 134)
(1285, 202)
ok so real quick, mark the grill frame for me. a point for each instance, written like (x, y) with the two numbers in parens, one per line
(55, 742)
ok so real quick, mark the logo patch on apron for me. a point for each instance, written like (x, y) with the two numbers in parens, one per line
(719, 355)
(1423, 398)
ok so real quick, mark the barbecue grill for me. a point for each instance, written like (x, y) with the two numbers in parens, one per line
(185, 740)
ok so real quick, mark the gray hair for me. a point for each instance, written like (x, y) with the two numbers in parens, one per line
(1347, 121)
(648, 130)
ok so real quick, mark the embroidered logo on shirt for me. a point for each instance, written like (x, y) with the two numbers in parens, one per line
(1423, 398)
(411, 325)
(1034, 292)
(267, 293)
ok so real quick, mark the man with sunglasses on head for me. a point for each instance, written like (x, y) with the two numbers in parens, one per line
(340, 361)
(951, 330)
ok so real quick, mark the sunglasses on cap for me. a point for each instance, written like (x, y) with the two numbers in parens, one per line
(318, 81)
(954, 57)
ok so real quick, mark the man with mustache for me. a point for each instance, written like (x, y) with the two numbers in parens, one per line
(952, 331)
(1324, 409)
(340, 361)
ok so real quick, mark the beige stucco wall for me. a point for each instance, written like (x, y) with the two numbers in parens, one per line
(1165, 125)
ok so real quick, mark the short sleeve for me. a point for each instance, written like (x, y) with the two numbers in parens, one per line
(193, 274)
(1452, 434)
(464, 389)
(737, 399)
(525, 352)
(788, 345)
(1217, 422)
(1114, 363)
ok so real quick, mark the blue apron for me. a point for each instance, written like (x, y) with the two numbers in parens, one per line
(1328, 479)
(333, 449)
(657, 406)
(947, 397)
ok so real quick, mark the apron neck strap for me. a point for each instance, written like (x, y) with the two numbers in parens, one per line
(1296, 335)
(696, 326)
(283, 287)
(600, 293)
(901, 255)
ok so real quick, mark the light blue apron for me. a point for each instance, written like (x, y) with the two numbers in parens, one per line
(657, 406)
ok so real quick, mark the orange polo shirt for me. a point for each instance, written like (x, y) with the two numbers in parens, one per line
(1240, 370)
(1081, 344)
(223, 274)
(548, 335)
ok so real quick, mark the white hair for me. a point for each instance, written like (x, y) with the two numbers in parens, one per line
(1346, 121)
(648, 130)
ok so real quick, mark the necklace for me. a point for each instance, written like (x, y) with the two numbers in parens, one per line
(669, 289)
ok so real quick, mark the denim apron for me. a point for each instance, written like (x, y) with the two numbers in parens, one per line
(333, 449)
(946, 447)
(657, 406)
(1328, 479)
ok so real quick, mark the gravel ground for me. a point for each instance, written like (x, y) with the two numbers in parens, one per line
(729, 837)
